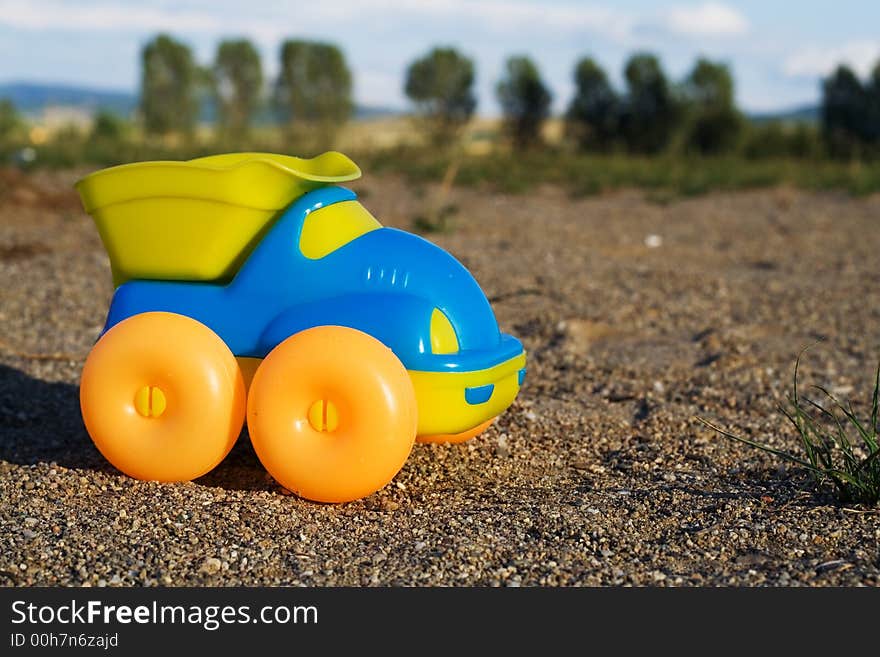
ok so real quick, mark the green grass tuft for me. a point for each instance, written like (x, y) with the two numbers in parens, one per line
(840, 450)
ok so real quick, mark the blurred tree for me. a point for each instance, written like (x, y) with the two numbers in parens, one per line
(525, 101)
(775, 139)
(765, 140)
(313, 91)
(237, 81)
(593, 117)
(650, 113)
(441, 86)
(873, 119)
(714, 124)
(10, 121)
(168, 87)
(11, 131)
(804, 142)
(65, 146)
(108, 127)
(845, 113)
(107, 141)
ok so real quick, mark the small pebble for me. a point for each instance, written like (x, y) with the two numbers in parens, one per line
(211, 566)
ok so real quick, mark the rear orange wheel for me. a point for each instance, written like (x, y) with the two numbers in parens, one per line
(332, 414)
(457, 437)
(162, 397)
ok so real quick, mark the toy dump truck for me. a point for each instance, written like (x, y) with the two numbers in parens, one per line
(253, 285)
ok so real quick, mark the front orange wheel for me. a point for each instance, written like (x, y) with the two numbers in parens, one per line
(332, 414)
(162, 397)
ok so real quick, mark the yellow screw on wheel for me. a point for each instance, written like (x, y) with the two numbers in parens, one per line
(162, 397)
(323, 415)
(150, 401)
(332, 414)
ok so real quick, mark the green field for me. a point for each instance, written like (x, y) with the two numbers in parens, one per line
(482, 159)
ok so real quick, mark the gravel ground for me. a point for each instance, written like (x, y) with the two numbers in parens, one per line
(637, 316)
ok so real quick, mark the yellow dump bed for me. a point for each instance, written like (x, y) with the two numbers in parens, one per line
(197, 220)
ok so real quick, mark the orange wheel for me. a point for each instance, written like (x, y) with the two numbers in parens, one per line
(332, 414)
(162, 397)
(457, 437)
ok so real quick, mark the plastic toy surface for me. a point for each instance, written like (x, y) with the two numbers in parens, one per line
(252, 285)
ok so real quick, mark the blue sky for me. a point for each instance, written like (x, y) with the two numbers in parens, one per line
(778, 50)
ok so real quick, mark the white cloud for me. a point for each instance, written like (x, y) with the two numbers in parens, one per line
(52, 14)
(500, 15)
(270, 21)
(118, 16)
(708, 19)
(814, 61)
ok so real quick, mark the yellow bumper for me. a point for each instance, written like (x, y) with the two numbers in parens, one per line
(443, 406)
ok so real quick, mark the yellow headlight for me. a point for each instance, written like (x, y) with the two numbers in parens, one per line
(443, 339)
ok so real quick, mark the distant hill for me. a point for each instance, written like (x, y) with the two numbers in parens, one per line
(32, 98)
(803, 114)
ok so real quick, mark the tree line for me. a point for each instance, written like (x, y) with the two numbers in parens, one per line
(313, 88)
(312, 95)
(311, 98)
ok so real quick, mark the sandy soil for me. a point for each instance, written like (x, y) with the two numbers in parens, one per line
(638, 316)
